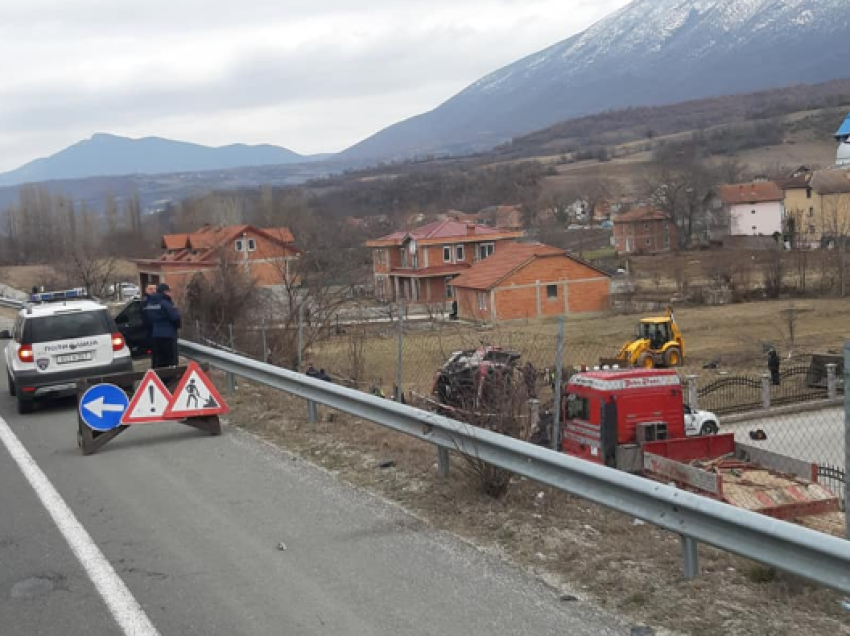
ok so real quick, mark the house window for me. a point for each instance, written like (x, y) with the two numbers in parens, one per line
(811, 229)
(450, 291)
(459, 253)
(552, 292)
(240, 246)
(482, 301)
(447, 254)
(646, 226)
(808, 193)
(753, 212)
(379, 257)
(485, 250)
(811, 212)
(403, 257)
(648, 242)
(252, 245)
(381, 291)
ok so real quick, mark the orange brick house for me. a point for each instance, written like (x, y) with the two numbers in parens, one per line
(265, 253)
(644, 230)
(530, 280)
(418, 265)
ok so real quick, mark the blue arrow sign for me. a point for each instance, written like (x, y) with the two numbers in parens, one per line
(102, 407)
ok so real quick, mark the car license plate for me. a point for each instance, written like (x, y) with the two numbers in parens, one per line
(85, 356)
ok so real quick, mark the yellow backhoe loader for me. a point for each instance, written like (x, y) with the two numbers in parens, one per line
(658, 343)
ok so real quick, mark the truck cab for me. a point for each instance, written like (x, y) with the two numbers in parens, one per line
(607, 414)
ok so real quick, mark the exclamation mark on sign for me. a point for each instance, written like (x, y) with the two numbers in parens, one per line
(150, 392)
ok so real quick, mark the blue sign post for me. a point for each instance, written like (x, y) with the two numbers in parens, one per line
(103, 406)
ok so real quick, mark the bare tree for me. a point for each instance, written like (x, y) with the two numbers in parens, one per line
(90, 270)
(681, 189)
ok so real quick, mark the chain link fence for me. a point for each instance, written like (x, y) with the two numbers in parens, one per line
(799, 416)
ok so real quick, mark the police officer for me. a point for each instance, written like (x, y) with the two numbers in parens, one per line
(163, 320)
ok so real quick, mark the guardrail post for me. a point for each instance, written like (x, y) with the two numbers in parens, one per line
(311, 412)
(831, 381)
(690, 557)
(198, 331)
(765, 391)
(692, 391)
(263, 342)
(231, 377)
(442, 461)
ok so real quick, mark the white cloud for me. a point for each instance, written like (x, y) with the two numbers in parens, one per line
(313, 76)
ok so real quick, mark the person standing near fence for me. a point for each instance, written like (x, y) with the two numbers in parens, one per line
(773, 366)
(163, 321)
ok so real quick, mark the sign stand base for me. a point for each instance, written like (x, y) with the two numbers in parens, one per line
(89, 441)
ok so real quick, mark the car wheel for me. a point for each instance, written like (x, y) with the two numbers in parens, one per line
(12, 390)
(25, 406)
(709, 428)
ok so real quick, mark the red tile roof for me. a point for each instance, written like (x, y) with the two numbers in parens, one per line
(756, 192)
(446, 229)
(208, 238)
(641, 214)
(507, 258)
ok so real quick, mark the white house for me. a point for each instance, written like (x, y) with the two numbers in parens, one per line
(755, 209)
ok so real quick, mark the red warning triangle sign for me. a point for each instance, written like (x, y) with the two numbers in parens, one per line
(195, 396)
(149, 402)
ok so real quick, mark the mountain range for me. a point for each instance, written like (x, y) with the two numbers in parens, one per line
(650, 52)
(108, 155)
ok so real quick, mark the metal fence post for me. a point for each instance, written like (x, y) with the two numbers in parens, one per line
(231, 378)
(399, 370)
(300, 336)
(690, 557)
(558, 398)
(442, 461)
(263, 342)
(846, 446)
(692, 391)
(831, 381)
(765, 391)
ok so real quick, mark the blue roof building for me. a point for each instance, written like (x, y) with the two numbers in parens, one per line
(843, 132)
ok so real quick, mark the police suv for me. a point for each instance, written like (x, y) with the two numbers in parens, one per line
(58, 338)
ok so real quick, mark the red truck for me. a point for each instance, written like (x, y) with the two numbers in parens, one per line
(634, 420)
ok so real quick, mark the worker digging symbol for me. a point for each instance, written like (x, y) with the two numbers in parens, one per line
(192, 390)
(194, 397)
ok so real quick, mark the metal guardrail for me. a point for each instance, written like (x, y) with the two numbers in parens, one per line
(818, 557)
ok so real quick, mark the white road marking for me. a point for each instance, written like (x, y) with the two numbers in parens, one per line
(125, 609)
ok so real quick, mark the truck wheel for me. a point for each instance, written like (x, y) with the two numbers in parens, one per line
(673, 357)
(12, 390)
(646, 361)
(25, 406)
(709, 428)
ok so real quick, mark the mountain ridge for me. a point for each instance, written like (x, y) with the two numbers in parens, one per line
(105, 154)
(650, 52)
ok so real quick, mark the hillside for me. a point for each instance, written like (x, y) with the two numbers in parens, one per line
(111, 155)
(651, 52)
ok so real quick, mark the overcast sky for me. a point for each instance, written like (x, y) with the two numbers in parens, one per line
(314, 76)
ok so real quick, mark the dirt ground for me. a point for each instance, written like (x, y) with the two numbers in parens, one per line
(583, 550)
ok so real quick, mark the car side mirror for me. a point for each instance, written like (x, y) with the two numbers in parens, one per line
(5, 335)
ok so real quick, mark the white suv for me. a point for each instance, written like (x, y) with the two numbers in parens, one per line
(58, 339)
(700, 422)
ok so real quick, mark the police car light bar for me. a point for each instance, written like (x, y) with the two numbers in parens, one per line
(65, 294)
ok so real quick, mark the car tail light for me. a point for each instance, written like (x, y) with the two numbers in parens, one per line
(117, 342)
(25, 353)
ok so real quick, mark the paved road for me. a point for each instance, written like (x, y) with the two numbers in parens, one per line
(192, 525)
(814, 436)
